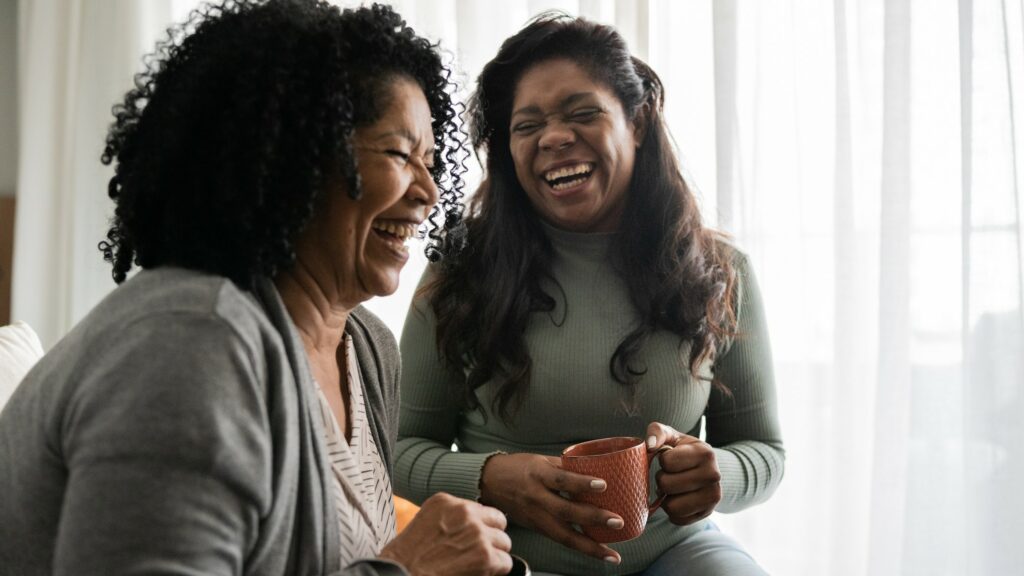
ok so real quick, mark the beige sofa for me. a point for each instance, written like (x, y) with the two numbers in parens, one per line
(19, 350)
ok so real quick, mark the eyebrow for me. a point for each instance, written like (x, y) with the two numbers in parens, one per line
(404, 133)
(567, 101)
(409, 136)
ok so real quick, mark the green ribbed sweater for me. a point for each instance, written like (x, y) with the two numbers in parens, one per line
(573, 397)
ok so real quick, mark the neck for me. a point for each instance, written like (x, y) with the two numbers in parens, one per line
(318, 314)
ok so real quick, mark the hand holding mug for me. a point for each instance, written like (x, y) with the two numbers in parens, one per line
(689, 477)
(624, 463)
(527, 487)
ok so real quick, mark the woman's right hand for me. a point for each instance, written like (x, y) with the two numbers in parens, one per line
(526, 487)
(453, 536)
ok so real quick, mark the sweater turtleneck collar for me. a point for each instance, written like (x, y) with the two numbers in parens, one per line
(595, 244)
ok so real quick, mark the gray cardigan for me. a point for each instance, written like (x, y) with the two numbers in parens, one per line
(172, 431)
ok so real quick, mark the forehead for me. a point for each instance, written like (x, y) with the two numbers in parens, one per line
(552, 83)
(405, 111)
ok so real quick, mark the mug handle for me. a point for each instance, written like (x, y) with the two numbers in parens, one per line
(652, 506)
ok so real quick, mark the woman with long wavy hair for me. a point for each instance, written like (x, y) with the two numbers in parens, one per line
(591, 302)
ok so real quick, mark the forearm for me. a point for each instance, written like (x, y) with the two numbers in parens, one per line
(430, 416)
(424, 467)
(751, 471)
(743, 425)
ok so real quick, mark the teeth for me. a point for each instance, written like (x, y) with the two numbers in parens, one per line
(567, 184)
(403, 231)
(582, 168)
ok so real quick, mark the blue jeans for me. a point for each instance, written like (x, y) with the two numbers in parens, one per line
(706, 553)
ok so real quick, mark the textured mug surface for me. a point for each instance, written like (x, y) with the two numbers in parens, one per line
(623, 463)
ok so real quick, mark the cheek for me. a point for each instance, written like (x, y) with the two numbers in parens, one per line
(521, 159)
(380, 192)
(624, 157)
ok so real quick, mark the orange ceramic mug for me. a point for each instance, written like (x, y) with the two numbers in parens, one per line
(624, 464)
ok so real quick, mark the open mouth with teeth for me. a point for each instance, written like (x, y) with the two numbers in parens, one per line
(394, 232)
(569, 176)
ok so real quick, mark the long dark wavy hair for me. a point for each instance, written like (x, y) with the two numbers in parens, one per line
(679, 273)
(244, 116)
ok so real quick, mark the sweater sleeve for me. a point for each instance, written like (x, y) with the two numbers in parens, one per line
(744, 428)
(425, 463)
(168, 454)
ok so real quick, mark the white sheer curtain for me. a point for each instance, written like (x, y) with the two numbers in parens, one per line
(76, 59)
(864, 152)
(867, 160)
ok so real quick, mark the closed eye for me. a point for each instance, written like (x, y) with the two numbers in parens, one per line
(398, 154)
(526, 127)
(585, 114)
(427, 160)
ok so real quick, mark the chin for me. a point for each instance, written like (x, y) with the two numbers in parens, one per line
(573, 217)
(572, 223)
(385, 287)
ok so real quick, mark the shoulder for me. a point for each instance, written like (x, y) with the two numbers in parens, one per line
(728, 251)
(746, 298)
(169, 290)
(726, 248)
(186, 317)
(177, 290)
(166, 347)
(189, 313)
(167, 293)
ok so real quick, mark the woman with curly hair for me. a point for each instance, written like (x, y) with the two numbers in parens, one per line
(590, 302)
(231, 409)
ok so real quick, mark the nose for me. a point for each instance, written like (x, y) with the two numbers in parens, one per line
(556, 136)
(423, 189)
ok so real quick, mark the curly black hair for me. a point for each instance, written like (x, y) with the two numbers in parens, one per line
(223, 148)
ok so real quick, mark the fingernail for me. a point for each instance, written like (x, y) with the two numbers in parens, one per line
(616, 523)
(651, 442)
(611, 559)
(598, 485)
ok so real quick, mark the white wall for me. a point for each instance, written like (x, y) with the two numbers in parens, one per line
(8, 96)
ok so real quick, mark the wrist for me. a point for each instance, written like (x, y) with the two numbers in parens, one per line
(393, 554)
(483, 488)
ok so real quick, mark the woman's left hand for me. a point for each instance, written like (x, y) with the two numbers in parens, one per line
(689, 476)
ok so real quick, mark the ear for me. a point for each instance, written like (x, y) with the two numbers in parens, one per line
(640, 123)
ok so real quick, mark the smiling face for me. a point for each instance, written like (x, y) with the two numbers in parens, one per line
(359, 245)
(573, 147)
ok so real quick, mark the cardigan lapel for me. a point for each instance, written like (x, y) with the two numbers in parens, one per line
(370, 370)
(317, 519)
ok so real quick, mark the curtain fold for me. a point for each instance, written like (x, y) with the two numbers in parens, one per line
(40, 284)
(848, 470)
(726, 116)
(993, 326)
(893, 398)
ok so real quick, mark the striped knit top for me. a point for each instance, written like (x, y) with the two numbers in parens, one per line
(573, 397)
(362, 487)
